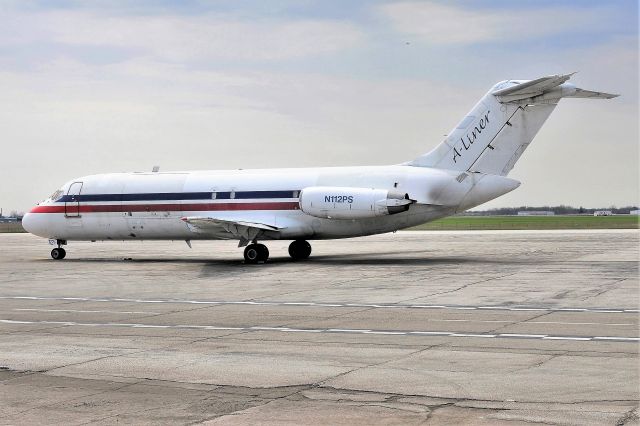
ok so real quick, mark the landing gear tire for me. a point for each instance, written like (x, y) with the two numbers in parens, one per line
(58, 253)
(299, 250)
(264, 252)
(255, 253)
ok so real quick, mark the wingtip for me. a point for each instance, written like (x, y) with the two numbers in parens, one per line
(567, 75)
(604, 95)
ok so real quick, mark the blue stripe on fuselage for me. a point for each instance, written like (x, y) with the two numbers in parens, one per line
(178, 196)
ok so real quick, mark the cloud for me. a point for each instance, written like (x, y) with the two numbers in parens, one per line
(181, 37)
(134, 114)
(107, 90)
(438, 23)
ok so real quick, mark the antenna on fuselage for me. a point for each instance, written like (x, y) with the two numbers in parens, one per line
(155, 169)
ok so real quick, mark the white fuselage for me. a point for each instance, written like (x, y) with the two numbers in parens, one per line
(124, 206)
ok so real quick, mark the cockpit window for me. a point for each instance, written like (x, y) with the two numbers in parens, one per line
(56, 195)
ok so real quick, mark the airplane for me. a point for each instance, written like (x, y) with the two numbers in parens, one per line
(468, 168)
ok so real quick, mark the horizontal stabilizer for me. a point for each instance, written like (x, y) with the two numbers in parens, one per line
(581, 93)
(531, 88)
(544, 90)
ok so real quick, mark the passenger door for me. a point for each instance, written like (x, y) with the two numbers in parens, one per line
(72, 200)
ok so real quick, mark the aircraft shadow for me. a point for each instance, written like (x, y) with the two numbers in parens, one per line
(235, 267)
(414, 258)
(372, 259)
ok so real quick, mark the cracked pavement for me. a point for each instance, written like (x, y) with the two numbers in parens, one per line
(405, 328)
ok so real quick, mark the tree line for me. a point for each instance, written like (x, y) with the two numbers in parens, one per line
(562, 209)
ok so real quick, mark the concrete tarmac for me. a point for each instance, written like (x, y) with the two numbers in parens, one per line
(504, 327)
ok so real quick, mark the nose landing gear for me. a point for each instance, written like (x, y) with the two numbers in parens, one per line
(255, 253)
(59, 253)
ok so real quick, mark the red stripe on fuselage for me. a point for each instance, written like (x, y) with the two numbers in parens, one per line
(84, 208)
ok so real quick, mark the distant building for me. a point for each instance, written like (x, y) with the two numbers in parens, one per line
(636, 212)
(603, 213)
(536, 213)
(8, 219)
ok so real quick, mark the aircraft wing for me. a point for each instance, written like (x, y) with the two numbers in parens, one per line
(243, 230)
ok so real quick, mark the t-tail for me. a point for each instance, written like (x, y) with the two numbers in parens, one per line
(493, 136)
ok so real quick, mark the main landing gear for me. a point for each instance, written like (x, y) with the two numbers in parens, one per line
(254, 253)
(59, 253)
(259, 253)
(299, 250)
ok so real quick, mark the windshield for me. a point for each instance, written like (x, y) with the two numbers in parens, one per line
(56, 195)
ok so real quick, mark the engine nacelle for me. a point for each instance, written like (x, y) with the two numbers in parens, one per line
(330, 202)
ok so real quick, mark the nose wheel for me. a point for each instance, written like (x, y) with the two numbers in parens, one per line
(58, 253)
(255, 253)
(299, 250)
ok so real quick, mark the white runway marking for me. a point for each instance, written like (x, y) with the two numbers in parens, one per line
(333, 330)
(581, 323)
(86, 312)
(431, 320)
(472, 335)
(524, 336)
(566, 338)
(633, 339)
(327, 305)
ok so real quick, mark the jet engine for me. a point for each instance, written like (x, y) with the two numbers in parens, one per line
(330, 202)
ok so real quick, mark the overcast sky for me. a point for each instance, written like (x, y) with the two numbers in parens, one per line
(107, 86)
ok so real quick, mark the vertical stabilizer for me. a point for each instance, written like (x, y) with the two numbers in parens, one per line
(493, 136)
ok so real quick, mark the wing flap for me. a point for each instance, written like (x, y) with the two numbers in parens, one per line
(245, 231)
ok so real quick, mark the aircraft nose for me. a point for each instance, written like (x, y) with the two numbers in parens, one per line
(28, 222)
(35, 224)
